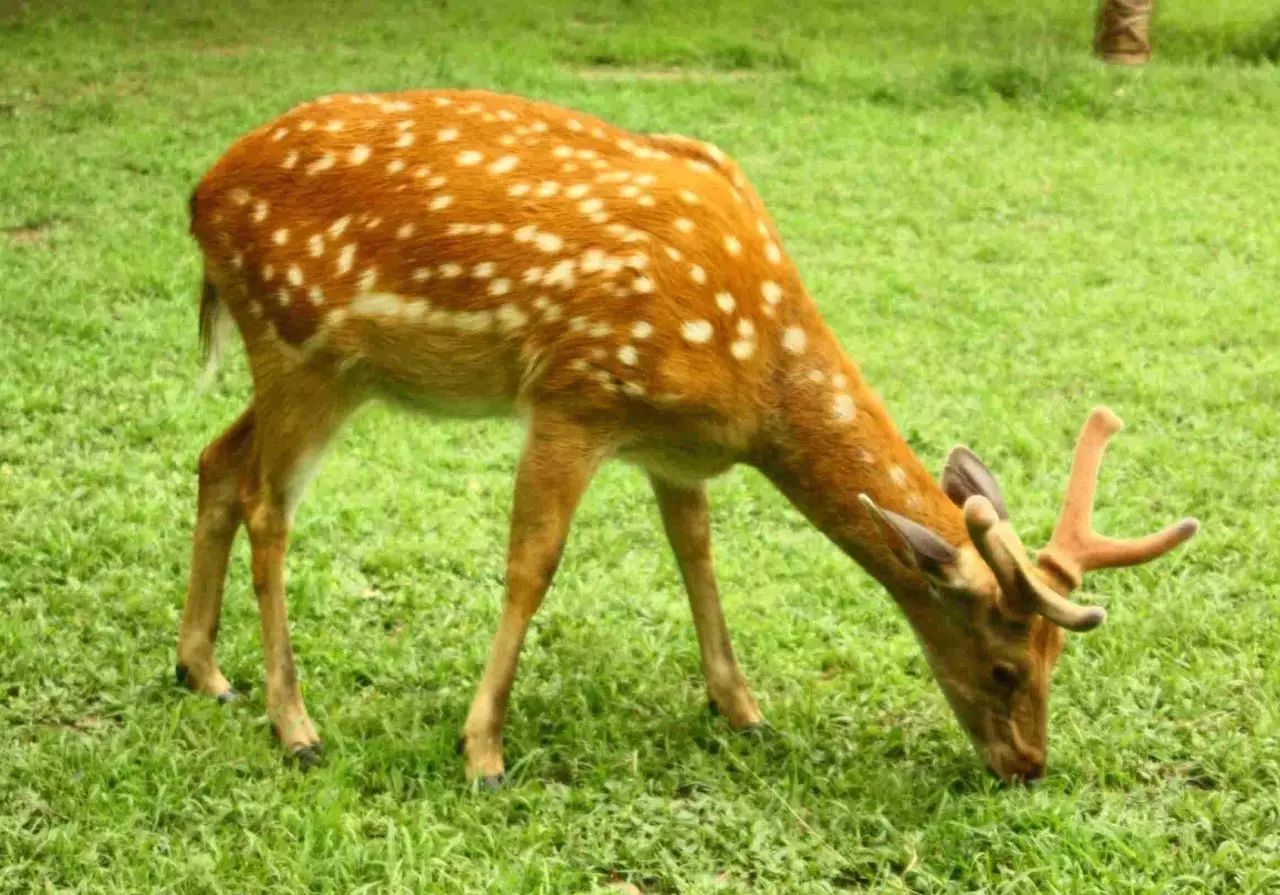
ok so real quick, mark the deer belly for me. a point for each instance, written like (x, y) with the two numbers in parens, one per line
(448, 373)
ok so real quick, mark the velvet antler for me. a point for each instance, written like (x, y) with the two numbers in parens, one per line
(1075, 547)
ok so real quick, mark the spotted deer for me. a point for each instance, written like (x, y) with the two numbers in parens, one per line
(627, 295)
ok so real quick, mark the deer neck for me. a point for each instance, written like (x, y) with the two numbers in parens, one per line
(830, 441)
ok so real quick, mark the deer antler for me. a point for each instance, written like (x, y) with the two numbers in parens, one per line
(1075, 547)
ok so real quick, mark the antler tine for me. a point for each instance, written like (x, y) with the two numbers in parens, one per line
(1075, 547)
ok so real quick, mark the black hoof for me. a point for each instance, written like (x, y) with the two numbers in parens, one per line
(306, 757)
(461, 745)
(229, 695)
(757, 731)
(493, 782)
(712, 708)
(180, 673)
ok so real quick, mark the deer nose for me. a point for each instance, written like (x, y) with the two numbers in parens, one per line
(1027, 774)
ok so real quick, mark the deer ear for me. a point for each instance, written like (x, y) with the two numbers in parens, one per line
(965, 475)
(914, 545)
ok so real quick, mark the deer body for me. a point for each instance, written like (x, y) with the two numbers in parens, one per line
(474, 254)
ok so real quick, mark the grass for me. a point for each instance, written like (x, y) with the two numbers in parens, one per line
(1003, 232)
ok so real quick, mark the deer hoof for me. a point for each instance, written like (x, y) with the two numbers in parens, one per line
(231, 694)
(305, 757)
(493, 782)
(180, 673)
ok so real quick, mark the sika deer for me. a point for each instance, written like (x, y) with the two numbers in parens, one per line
(627, 294)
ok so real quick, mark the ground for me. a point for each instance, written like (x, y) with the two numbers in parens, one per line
(1003, 232)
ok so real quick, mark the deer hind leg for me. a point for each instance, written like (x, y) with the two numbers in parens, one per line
(559, 460)
(686, 518)
(293, 428)
(218, 516)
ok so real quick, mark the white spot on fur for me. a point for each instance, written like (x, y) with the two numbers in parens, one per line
(742, 349)
(697, 274)
(359, 154)
(404, 231)
(684, 225)
(548, 242)
(376, 304)
(290, 160)
(772, 252)
(395, 166)
(346, 258)
(404, 141)
(315, 245)
(260, 211)
(771, 291)
(499, 286)
(338, 226)
(324, 163)
(281, 236)
(641, 330)
(316, 295)
(628, 355)
(577, 190)
(510, 317)
(446, 134)
(279, 134)
(725, 302)
(842, 407)
(503, 165)
(547, 189)
(420, 274)
(450, 270)
(588, 206)
(642, 285)
(440, 202)
(697, 331)
(469, 157)
(733, 245)
(560, 274)
(839, 380)
(794, 340)
(368, 278)
(483, 270)
(294, 275)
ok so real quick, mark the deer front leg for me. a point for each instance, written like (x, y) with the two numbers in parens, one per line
(686, 518)
(559, 460)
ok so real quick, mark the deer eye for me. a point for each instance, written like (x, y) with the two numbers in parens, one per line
(1006, 676)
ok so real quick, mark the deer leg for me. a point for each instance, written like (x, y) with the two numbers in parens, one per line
(686, 518)
(218, 518)
(288, 444)
(559, 460)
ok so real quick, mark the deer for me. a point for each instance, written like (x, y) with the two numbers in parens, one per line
(625, 296)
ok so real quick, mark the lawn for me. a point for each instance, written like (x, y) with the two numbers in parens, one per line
(1003, 232)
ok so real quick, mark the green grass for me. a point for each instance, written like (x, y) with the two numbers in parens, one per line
(1003, 232)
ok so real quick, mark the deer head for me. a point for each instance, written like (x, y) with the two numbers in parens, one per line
(994, 629)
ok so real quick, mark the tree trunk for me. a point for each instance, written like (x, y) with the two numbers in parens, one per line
(1123, 31)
